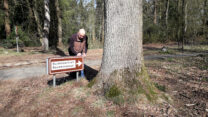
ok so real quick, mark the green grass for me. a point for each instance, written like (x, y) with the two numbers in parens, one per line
(170, 59)
(4, 52)
(110, 113)
(169, 51)
(91, 83)
(13, 52)
(196, 47)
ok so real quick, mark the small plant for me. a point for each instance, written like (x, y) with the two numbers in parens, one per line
(114, 94)
(160, 87)
(205, 79)
(110, 113)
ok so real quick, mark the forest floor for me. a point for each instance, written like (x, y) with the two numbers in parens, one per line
(184, 78)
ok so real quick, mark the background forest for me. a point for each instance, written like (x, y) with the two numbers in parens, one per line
(181, 21)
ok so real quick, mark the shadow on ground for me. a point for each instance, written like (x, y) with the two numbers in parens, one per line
(89, 72)
(151, 48)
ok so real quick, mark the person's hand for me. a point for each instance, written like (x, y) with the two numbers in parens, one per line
(79, 54)
(84, 55)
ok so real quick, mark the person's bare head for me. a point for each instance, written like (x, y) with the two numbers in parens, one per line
(81, 33)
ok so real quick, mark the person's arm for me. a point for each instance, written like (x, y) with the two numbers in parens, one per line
(71, 44)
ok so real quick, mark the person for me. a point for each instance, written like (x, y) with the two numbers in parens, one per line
(78, 45)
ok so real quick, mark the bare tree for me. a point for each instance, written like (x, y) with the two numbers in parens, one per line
(39, 27)
(205, 20)
(46, 25)
(6, 19)
(167, 12)
(183, 24)
(155, 11)
(58, 15)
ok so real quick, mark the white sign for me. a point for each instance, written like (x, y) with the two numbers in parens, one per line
(60, 65)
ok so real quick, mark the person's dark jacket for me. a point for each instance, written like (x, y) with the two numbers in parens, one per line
(77, 45)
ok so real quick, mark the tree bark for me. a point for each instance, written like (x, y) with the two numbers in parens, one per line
(123, 32)
(160, 12)
(183, 23)
(122, 62)
(155, 11)
(178, 23)
(100, 18)
(39, 27)
(6, 19)
(205, 19)
(93, 21)
(58, 15)
(167, 13)
(186, 17)
(46, 25)
(103, 30)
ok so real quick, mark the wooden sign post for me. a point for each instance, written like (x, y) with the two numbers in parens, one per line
(64, 65)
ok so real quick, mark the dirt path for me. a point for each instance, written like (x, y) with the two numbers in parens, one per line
(27, 71)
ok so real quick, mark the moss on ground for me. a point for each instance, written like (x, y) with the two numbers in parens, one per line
(91, 83)
(113, 92)
(127, 86)
(147, 87)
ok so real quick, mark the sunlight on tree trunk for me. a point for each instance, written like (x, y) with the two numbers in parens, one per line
(46, 26)
(167, 13)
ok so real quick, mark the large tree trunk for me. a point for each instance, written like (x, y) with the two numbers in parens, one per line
(46, 25)
(123, 36)
(122, 64)
(6, 19)
(58, 15)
